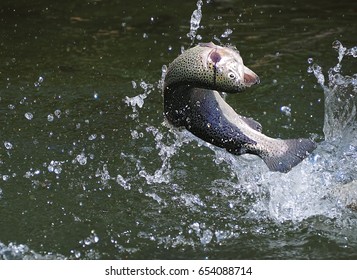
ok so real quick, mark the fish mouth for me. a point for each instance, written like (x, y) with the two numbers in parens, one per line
(250, 78)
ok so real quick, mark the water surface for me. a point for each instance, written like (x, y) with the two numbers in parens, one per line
(89, 169)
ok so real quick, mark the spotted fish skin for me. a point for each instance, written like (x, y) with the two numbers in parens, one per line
(192, 100)
(212, 67)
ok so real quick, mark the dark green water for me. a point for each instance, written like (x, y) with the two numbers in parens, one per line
(86, 172)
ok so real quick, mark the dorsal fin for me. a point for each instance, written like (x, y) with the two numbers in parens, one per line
(208, 45)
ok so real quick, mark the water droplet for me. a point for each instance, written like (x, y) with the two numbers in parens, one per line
(317, 70)
(29, 116)
(5, 177)
(337, 79)
(196, 227)
(77, 254)
(352, 51)
(50, 117)
(134, 134)
(206, 237)
(336, 44)
(144, 85)
(340, 49)
(92, 137)
(55, 166)
(8, 145)
(121, 181)
(58, 170)
(81, 159)
(226, 33)
(23, 100)
(195, 20)
(57, 113)
(286, 110)
(136, 100)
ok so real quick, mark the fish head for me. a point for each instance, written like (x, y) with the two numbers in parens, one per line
(229, 72)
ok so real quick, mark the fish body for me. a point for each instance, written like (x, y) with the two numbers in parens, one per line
(192, 100)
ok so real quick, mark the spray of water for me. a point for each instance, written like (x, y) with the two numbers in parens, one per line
(14, 251)
(340, 96)
(324, 183)
(195, 21)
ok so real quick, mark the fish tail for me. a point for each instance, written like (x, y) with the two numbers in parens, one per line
(296, 150)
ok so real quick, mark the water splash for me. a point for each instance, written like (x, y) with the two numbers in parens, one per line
(14, 251)
(317, 186)
(162, 174)
(340, 96)
(195, 21)
(138, 100)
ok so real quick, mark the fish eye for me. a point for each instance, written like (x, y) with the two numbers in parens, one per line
(231, 75)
